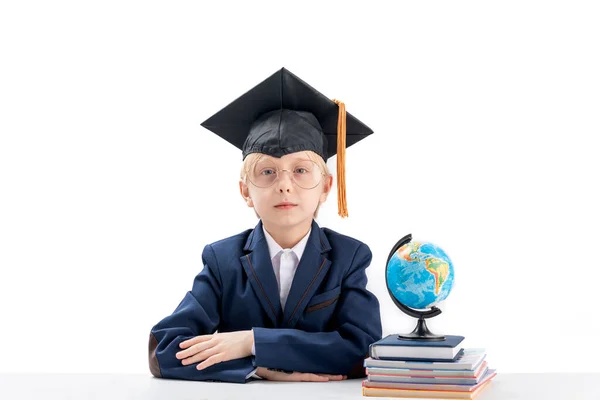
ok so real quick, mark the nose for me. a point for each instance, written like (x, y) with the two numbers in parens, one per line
(284, 182)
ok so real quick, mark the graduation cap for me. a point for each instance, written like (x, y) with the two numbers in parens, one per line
(283, 115)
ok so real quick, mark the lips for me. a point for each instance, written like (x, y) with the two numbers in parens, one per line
(285, 205)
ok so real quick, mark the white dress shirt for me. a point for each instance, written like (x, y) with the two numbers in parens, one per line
(285, 262)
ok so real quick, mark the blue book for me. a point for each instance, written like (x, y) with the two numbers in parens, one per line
(393, 348)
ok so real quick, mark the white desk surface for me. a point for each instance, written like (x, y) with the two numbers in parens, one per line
(116, 387)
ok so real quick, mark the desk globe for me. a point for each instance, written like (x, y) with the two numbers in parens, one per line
(418, 276)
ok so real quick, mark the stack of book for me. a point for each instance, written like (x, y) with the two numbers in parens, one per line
(429, 369)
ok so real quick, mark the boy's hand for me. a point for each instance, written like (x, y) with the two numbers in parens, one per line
(216, 348)
(273, 375)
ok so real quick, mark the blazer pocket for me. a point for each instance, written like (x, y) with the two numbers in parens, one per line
(323, 300)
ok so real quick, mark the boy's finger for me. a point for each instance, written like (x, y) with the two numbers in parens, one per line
(195, 340)
(306, 377)
(200, 356)
(214, 359)
(332, 377)
(283, 377)
(194, 349)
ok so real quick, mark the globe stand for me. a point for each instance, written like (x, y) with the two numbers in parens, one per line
(421, 332)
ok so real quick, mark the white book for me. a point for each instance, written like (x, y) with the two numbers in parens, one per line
(428, 372)
(416, 352)
(468, 361)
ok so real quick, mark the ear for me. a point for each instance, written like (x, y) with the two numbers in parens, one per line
(327, 185)
(245, 192)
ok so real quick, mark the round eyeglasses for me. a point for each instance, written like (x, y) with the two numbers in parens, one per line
(306, 173)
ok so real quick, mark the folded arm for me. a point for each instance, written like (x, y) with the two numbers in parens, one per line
(197, 314)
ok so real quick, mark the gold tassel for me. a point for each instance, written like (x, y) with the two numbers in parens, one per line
(341, 159)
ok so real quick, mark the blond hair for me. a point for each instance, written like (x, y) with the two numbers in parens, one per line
(254, 157)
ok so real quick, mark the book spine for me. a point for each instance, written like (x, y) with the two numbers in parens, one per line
(372, 352)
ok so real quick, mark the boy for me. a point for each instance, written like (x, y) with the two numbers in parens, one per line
(288, 298)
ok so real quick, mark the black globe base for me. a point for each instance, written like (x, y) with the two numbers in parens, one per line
(421, 332)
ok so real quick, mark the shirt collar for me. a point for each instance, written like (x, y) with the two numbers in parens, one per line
(275, 248)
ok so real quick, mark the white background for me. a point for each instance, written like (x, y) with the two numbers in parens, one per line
(486, 125)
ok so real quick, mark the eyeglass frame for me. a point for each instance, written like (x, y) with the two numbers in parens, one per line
(278, 170)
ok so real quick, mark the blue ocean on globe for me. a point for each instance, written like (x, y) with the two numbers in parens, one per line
(420, 275)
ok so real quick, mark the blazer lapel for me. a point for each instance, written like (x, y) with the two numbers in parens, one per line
(311, 270)
(259, 269)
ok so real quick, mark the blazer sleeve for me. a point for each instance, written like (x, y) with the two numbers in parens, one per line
(197, 314)
(341, 351)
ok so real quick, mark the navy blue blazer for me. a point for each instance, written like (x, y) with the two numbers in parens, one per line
(328, 323)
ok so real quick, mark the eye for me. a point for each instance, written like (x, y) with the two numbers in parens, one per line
(268, 171)
(300, 170)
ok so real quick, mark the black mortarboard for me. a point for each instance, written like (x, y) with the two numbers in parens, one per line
(282, 115)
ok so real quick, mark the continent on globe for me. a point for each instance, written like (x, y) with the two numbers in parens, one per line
(439, 269)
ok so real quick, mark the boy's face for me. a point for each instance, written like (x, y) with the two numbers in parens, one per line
(285, 202)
